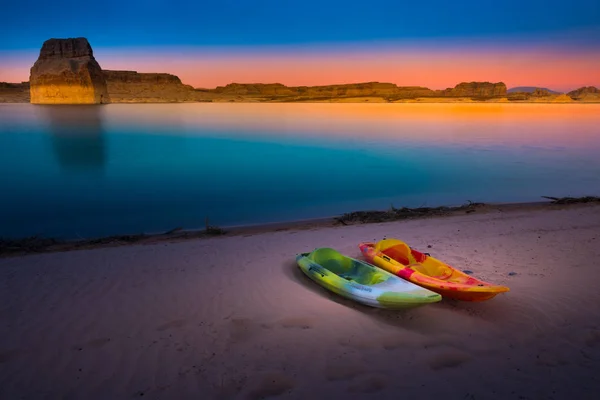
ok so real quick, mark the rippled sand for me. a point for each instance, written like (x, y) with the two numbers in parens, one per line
(233, 317)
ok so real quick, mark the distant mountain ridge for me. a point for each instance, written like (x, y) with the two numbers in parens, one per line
(530, 89)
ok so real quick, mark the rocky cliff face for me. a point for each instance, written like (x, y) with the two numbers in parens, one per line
(131, 86)
(476, 89)
(518, 96)
(586, 93)
(529, 89)
(413, 92)
(386, 90)
(540, 96)
(350, 90)
(540, 93)
(277, 91)
(255, 89)
(535, 94)
(14, 92)
(66, 72)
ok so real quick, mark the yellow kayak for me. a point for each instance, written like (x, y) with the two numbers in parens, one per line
(398, 258)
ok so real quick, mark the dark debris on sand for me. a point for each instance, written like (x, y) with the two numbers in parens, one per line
(31, 244)
(395, 214)
(573, 200)
(37, 244)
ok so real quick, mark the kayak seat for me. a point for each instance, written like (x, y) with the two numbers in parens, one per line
(346, 268)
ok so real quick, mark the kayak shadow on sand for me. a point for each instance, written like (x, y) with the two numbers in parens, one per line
(292, 271)
(425, 318)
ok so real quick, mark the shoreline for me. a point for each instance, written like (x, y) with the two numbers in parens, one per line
(36, 245)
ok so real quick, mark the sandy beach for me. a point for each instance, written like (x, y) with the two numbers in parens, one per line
(233, 317)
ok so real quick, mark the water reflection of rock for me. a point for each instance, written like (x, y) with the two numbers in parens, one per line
(77, 136)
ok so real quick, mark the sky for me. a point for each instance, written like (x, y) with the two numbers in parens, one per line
(435, 43)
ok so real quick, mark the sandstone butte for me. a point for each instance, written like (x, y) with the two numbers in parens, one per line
(66, 72)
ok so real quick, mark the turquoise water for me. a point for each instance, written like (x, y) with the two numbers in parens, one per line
(88, 171)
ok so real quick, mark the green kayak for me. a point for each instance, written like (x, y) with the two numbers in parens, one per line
(362, 282)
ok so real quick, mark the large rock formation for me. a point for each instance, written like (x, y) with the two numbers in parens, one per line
(586, 93)
(413, 92)
(256, 89)
(349, 90)
(476, 89)
(14, 92)
(386, 90)
(538, 92)
(134, 87)
(279, 92)
(535, 95)
(529, 89)
(518, 96)
(66, 72)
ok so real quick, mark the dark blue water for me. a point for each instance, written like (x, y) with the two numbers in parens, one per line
(88, 171)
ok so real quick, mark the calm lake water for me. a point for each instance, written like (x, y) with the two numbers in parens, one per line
(87, 171)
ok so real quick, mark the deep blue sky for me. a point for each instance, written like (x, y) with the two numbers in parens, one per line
(110, 23)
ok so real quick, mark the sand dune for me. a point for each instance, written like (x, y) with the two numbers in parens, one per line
(233, 317)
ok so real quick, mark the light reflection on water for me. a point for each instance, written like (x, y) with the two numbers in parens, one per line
(84, 171)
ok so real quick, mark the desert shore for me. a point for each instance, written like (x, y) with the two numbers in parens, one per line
(233, 317)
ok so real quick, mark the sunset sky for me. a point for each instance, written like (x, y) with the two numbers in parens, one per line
(436, 44)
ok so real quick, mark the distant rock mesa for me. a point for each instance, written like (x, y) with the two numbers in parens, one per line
(66, 72)
(135, 87)
(586, 93)
(277, 91)
(14, 92)
(476, 89)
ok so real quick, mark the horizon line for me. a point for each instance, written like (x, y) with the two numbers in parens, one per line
(338, 84)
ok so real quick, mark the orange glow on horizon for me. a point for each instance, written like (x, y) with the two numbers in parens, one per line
(435, 69)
